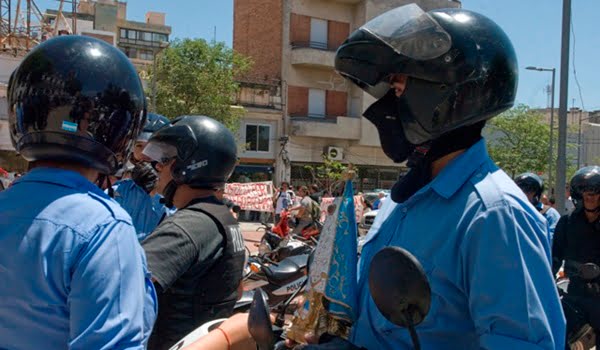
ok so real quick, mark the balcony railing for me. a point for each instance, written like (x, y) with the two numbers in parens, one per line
(314, 45)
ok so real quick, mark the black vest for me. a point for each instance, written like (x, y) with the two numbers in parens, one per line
(194, 300)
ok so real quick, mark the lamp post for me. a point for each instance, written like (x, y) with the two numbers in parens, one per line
(550, 160)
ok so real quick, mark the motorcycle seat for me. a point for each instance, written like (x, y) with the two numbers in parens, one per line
(285, 269)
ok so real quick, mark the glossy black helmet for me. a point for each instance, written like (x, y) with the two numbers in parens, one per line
(76, 99)
(204, 150)
(461, 69)
(531, 183)
(154, 122)
(586, 179)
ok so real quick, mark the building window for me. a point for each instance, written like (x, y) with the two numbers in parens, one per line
(123, 33)
(257, 137)
(318, 33)
(146, 55)
(131, 34)
(130, 52)
(316, 103)
(158, 37)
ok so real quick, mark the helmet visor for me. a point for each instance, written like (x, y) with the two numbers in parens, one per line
(159, 151)
(410, 32)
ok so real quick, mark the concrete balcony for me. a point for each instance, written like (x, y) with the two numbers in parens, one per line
(314, 55)
(345, 128)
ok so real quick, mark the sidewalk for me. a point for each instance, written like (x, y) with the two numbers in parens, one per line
(251, 236)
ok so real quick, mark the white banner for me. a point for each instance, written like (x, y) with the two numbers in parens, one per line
(256, 196)
(358, 207)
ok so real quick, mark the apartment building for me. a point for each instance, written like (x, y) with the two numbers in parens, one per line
(107, 20)
(299, 108)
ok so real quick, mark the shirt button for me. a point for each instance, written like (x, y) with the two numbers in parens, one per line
(404, 210)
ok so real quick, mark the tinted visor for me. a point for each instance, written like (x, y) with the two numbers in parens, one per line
(410, 32)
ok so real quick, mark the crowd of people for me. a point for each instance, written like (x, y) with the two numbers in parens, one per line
(80, 270)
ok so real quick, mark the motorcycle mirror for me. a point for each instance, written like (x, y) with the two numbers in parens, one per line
(399, 288)
(259, 322)
(589, 271)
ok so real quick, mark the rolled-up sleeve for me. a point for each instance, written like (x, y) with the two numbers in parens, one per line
(512, 295)
(112, 301)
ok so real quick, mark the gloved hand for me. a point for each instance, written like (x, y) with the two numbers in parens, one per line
(144, 176)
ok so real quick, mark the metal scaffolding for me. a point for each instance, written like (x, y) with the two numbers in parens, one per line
(23, 25)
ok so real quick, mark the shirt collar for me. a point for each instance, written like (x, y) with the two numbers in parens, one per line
(459, 170)
(60, 177)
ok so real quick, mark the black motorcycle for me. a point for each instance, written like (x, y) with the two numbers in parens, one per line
(402, 295)
(580, 335)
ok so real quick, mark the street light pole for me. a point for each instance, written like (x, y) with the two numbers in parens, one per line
(551, 143)
(561, 169)
(579, 141)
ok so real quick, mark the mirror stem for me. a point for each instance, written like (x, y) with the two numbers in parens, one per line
(412, 331)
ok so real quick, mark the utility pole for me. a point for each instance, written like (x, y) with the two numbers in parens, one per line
(579, 141)
(561, 169)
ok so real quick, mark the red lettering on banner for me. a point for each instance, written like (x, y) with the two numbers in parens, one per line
(256, 196)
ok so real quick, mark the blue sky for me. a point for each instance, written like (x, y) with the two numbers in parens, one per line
(534, 26)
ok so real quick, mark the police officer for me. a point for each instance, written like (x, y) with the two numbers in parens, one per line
(577, 241)
(139, 195)
(533, 186)
(437, 77)
(197, 254)
(73, 274)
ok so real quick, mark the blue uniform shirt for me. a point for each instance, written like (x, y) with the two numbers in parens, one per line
(73, 273)
(146, 211)
(552, 216)
(486, 254)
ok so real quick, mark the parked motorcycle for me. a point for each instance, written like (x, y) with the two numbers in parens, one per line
(280, 279)
(402, 295)
(278, 243)
(580, 335)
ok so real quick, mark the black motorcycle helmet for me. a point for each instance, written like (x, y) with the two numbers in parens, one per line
(204, 150)
(461, 69)
(154, 122)
(76, 99)
(586, 179)
(531, 183)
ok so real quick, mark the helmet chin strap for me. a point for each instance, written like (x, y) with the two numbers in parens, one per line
(169, 193)
(102, 179)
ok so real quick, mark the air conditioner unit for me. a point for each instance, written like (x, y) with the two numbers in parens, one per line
(335, 153)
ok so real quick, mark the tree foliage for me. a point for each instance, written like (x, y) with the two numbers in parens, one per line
(194, 77)
(518, 141)
(328, 174)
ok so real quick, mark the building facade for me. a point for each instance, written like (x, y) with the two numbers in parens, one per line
(107, 20)
(102, 19)
(296, 103)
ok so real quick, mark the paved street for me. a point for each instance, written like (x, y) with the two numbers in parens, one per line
(251, 236)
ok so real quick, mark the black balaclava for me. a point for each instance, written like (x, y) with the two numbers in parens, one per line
(424, 155)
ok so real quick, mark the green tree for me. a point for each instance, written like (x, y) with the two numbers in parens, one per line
(518, 141)
(198, 78)
(328, 174)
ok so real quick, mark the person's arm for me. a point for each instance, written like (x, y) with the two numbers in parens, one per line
(170, 253)
(112, 303)
(513, 299)
(232, 334)
(559, 243)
